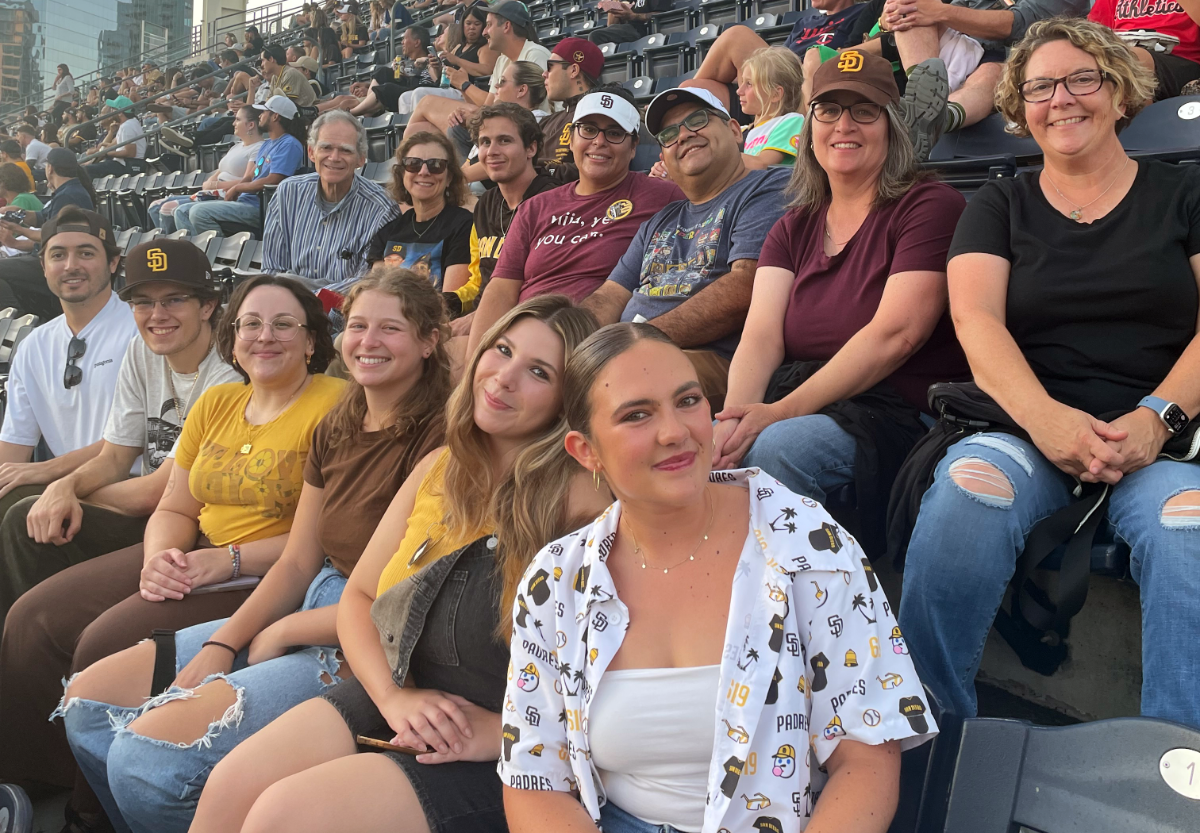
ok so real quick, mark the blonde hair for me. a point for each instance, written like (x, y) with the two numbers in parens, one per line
(527, 505)
(1133, 84)
(422, 409)
(809, 185)
(775, 67)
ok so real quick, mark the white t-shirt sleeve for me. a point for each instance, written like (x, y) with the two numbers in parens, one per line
(502, 63)
(129, 130)
(127, 416)
(535, 52)
(233, 164)
(20, 425)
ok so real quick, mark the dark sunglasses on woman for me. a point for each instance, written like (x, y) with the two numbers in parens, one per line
(413, 164)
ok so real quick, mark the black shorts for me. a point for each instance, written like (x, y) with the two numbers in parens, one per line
(1172, 72)
(993, 56)
(459, 797)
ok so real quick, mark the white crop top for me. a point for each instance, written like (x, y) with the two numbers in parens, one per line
(651, 733)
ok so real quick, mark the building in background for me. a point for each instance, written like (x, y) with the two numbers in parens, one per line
(20, 51)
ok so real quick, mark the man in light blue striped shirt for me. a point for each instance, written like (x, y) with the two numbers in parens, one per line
(319, 225)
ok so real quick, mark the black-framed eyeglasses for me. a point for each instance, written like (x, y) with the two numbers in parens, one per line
(589, 131)
(1084, 82)
(172, 303)
(73, 375)
(413, 164)
(284, 328)
(863, 112)
(695, 122)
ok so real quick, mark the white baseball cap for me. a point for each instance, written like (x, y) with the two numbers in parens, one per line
(280, 104)
(613, 106)
(667, 99)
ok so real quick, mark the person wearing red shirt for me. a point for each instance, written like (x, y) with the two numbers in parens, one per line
(1137, 22)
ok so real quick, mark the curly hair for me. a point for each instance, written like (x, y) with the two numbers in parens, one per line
(315, 321)
(456, 180)
(1133, 84)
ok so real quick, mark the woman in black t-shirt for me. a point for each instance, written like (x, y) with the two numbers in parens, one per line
(1075, 294)
(434, 238)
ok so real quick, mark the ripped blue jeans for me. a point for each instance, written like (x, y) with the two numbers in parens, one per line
(152, 785)
(989, 492)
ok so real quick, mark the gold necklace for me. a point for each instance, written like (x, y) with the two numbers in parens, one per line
(254, 429)
(1076, 214)
(637, 549)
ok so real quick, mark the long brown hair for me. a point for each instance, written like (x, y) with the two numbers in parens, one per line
(527, 505)
(422, 409)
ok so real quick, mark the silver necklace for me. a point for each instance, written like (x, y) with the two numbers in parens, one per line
(179, 412)
(1077, 213)
(637, 550)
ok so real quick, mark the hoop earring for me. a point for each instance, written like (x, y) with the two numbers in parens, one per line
(596, 478)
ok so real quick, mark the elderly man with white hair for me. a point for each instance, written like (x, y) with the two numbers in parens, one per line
(319, 224)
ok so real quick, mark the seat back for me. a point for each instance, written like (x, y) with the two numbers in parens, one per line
(1100, 777)
(1171, 124)
(720, 11)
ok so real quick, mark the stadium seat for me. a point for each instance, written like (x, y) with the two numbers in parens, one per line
(576, 16)
(682, 17)
(999, 776)
(988, 138)
(616, 64)
(547, 25)
(969, 175)
(179, 234)
(229, 251)
(779, 7)
(700, 40)
(667, 58)
(645, 156)
(1171, 124)
(642, 88)
(551, 38)
(720, 11)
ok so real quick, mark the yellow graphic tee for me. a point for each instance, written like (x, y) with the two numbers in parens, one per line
(252, 495)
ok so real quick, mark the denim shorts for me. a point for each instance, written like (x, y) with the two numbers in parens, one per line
(615, 820)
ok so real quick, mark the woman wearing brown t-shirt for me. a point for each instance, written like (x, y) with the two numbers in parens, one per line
(850, 296)
(280, 648)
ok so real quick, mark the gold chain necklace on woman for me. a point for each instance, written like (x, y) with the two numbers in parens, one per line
(254, 429)
(637, 549)
(1076, 214)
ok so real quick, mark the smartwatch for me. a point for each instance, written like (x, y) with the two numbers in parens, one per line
(463, 86)
(1170, 413)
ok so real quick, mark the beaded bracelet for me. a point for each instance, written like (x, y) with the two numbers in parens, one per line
(235, 555)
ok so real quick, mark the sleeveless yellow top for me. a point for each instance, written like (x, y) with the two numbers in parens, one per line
(426, 529)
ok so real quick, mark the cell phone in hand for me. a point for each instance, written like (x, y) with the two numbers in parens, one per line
(383, 745)
(239, 583)
(18, 216)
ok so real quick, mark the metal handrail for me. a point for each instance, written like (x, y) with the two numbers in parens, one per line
(154, 131)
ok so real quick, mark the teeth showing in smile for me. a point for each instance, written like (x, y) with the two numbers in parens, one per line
(1072, 120)
(370, 360)
(162, 331)
(845, 145)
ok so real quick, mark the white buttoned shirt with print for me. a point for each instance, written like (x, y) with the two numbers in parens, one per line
(812, 656)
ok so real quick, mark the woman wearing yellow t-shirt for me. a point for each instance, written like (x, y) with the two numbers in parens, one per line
(424, 620)
(234, 484)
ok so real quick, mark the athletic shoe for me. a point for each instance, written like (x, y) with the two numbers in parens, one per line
(171, 147)
(178, 139)
(16, 813)
(923, 104)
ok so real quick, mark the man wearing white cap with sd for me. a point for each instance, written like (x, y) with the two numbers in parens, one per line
(690, 268)
(569, 238)
(280, 154)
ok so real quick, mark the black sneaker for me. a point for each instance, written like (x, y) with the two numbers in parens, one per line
(923, 105)
(16, 813)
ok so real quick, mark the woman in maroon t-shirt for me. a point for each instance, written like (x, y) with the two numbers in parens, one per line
(853, 277)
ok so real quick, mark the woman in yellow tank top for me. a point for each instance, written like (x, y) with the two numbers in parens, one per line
(421, 622)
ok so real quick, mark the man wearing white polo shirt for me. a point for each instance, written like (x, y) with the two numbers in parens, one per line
(64, 375)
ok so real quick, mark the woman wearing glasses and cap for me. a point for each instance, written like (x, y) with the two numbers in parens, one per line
(847, 325)
(1075, 296)
(434, 238)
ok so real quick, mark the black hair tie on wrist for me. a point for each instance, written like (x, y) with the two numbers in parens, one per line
(228, 648)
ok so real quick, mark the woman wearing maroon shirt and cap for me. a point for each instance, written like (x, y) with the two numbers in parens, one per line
(850, 298)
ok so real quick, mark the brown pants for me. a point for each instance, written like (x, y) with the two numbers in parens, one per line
(62, 626)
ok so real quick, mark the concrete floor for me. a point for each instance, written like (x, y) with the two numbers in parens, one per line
(48, 813)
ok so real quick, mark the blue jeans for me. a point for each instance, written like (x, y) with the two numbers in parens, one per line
(152, 785)
(208, 215)
(166, 222)
(811, 455)
(964, 550)
(615, 820)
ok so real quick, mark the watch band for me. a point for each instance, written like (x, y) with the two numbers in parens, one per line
(463, 86)
(1171, 414)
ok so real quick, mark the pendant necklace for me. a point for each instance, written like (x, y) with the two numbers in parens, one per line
(1076, 213)
(181, 412)
(637, 550)
(254, 429)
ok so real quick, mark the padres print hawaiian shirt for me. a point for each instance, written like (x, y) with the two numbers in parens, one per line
(812, 656)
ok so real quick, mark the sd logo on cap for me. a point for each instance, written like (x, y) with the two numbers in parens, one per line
(169, 261)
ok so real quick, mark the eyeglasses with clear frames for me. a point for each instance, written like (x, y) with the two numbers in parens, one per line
(171, 303)
(1084, 82)
(284, 327)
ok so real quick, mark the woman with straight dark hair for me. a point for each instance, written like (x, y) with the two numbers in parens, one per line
(424, 620)
(710, 636)
(434, 238)
(848, 325)
(280, 647)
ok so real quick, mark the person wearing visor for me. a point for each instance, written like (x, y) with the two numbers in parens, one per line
(278, 158)
(690, 268)
(569, 239)
(850, 296)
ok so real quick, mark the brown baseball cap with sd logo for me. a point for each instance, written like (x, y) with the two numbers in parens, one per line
(858, 72)
(171, 261)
